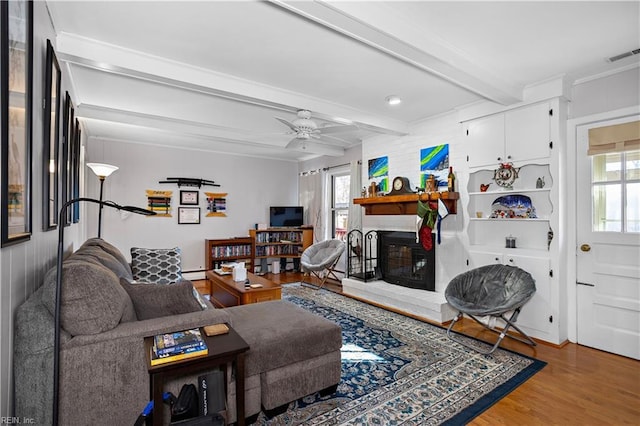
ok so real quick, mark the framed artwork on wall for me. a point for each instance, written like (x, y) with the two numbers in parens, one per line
(188, 215)
(65, 164)
(51, 122)
(189, 198)
(75, 169)
(16, 84)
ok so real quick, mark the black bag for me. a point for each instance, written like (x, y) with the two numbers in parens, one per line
(186, 406)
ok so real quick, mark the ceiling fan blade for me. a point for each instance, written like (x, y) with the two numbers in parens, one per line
(339, 129)
(286, 123)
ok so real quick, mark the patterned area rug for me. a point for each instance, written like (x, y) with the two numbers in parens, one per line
(401, 371)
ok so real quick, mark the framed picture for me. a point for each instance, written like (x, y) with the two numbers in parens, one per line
(51, 121)
(188, 215)
(16, 84)
(75, 169)
(189, 198)
(66, 163)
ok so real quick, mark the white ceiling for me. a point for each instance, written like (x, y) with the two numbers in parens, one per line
(212, 75)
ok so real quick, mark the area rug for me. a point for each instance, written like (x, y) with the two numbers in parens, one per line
(400, 371)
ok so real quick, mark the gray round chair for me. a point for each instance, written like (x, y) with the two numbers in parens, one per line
(491, 291)
(321, 258)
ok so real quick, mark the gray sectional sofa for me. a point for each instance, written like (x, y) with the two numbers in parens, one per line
(103, 368)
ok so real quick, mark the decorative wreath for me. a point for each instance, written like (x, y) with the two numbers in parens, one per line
(505, 175)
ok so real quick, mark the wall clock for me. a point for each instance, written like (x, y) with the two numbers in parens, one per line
(400, 185)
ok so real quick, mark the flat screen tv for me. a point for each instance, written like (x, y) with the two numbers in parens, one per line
(280, 217)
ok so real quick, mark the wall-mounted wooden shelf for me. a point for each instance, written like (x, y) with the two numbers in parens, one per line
(406, 204)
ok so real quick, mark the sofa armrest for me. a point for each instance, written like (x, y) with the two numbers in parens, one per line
(151, 327)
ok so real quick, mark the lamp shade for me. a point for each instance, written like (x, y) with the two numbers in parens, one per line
(101, 169)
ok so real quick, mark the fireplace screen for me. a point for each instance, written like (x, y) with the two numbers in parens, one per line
(405, 262)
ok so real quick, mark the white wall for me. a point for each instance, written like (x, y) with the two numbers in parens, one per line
(23, 265)
(252, 185)
(404, 160)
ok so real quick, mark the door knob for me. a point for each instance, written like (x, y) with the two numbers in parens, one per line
(585, 247)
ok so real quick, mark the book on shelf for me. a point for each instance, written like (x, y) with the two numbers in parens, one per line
(176, 346)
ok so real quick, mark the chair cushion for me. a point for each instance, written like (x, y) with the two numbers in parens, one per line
(159, 266)
(92, 301)
(155, 301)
(320, 255)
(490, 290)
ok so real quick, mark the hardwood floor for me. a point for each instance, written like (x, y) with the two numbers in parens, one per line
(579, 385)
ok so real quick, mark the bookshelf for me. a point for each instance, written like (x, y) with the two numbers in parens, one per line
(240, 249)
(280, 242)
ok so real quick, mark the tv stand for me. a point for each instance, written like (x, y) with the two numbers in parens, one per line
(287, 242)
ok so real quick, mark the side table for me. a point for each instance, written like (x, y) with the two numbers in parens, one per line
(223, 349)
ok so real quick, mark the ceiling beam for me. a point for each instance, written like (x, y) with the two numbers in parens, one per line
(114, 59)
(185, 129)
(375, 25)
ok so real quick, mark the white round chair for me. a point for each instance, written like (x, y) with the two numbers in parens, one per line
(321, 258)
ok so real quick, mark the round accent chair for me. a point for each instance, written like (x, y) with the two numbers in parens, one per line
(491, 292)
(321, 258)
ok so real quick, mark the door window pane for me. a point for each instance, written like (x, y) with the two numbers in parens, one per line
(633, 207)
(607, 215)
(616, 192)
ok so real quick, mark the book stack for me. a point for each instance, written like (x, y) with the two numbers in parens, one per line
(176, 346)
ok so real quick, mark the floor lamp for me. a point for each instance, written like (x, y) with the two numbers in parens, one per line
(56, 338)
(102, 171)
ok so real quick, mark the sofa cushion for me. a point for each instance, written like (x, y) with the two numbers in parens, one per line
(280, 333)
(154, 301)
(160, 266)
(106, 259)
(113, 251)
(92, 300)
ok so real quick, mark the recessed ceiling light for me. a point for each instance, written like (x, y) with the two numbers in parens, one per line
(393, 100)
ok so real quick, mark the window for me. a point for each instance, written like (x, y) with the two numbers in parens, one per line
(340, 205)
(616, 192)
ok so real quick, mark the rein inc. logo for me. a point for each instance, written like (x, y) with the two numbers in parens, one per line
(17, 421)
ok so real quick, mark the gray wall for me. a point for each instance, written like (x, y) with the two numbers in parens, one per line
(251, 184)
(22, 266)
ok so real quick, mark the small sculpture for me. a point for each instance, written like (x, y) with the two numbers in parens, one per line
(540, 182)
(484, 187)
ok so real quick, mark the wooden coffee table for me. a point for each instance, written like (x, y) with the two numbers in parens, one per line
(226, 292)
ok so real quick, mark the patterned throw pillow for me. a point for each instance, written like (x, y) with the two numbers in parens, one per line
(160, 266)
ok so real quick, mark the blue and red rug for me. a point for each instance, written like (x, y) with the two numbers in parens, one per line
(400, 371)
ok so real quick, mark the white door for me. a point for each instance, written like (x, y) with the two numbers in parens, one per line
(608, 252)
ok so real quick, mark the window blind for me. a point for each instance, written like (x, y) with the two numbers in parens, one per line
(616, 138)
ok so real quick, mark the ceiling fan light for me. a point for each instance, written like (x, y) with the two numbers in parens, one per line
(393, 100)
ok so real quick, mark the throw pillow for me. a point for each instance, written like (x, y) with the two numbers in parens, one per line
(92, 301)
(154, 301)
(160, 266)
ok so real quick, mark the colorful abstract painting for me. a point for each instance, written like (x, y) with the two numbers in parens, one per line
(379, 172)
(434, 161)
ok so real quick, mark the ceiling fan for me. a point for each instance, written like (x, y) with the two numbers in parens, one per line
(305, 129)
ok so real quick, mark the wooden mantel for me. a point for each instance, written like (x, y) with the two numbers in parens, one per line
(406, 204)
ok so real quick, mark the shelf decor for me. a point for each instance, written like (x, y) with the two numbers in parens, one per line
(505, 175)
(16, 71)
(216, 204)
(514, 206)
(159, 202)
